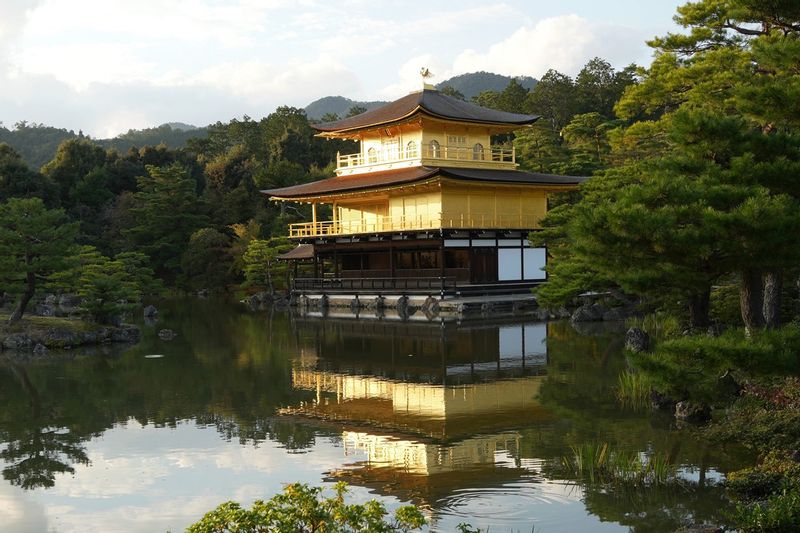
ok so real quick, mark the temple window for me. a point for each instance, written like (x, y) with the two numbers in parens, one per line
(411, 149)
(434, 149)
(477, 151)
(372, 156)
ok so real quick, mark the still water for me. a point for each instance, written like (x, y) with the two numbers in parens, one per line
(470, 421)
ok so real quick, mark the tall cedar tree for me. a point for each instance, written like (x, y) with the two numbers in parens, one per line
(167, 211)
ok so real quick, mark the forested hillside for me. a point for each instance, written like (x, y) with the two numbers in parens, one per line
(37, 143)
(474, 83)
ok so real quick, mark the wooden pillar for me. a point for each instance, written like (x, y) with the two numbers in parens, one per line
(314, 217)
(391, 260)
(442, 271)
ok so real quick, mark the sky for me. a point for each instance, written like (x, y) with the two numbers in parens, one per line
(106, 66)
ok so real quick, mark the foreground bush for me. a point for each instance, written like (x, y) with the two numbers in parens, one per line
(766, 419)
(303, 509)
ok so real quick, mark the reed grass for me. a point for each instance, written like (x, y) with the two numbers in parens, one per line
(597, 463)
(633, 390)
(659, 325)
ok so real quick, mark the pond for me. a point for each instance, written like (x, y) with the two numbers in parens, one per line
(471, 421)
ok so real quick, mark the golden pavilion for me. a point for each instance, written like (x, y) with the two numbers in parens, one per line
(427, 205)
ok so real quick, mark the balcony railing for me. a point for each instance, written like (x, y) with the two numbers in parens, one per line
(349, 285)
(495, 154)
(385, 224)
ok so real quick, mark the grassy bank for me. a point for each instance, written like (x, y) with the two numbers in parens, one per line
(36, 332)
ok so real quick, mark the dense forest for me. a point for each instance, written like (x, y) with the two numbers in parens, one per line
(195, 212)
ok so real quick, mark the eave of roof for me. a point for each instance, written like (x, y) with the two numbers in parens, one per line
(301, 252)
(391, 178)
(430, 102)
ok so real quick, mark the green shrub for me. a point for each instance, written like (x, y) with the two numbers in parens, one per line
(690, 367)
(779, 513)
(301, 509)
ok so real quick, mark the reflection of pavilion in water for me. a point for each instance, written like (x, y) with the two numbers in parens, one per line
(430, 406)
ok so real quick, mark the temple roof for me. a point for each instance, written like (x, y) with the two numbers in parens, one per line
(370, 180)
(430, 102)
(298, 253)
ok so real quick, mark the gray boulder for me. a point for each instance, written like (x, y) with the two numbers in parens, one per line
(45, 310)
(61, 338)
(694, 412)
(166, 334)
(69, 301)
(150, 311)
(589, 313)
(18, 341)
(40, 349)
(125, 334)
(661, 402)
(637, 340)
(616, 313)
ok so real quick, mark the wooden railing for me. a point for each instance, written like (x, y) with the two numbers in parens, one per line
(384, 224)
(497, 154)
(379, 285)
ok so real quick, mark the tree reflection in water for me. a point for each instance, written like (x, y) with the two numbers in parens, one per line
(237, 371)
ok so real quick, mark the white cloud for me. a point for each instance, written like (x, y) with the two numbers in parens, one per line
(564, 43)
(13, 18)
(409, 75)
(19, 512)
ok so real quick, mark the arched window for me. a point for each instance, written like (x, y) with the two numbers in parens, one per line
(372, 156)
(411, 149)
(477, 151)
(434, 149)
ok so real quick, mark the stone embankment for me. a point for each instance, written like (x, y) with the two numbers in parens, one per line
(40, 335)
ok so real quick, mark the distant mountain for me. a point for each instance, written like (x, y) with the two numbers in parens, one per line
(180, 126)
(172, 134)
(336, 105)
(467, 84)
(475, 82)
(37, 143)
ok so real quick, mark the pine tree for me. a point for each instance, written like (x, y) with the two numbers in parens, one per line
(34, 243)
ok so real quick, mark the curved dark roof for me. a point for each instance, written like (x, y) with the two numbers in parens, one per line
(370, 180)
(431, 102)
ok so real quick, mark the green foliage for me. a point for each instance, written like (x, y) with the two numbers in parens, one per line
(691, 367)
(261, 269)
(597, 463)
(169, 135)
(449, 90)
(108, 287)
(36, 143)
(19, 181)
(300, 508)
(74, 160)
(780, 512)
(107, 291)
(207, 262)
(659, 325)
(167, 212)
(34, 243)
(633, 390)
